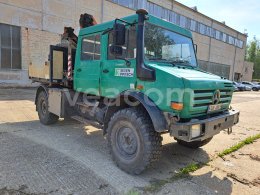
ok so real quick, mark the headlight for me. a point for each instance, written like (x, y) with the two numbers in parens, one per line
(195, 130)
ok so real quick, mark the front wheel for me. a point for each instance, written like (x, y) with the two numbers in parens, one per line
(133, 142)
(45, 116)
(194, 144)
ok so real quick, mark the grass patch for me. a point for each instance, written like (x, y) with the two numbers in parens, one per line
(158, 184)
(133, 192)
(190, 168)
(239, 145)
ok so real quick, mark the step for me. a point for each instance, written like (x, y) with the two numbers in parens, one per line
(87, 122)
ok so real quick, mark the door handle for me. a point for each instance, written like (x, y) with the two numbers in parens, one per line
(79, 70)
(105, 71)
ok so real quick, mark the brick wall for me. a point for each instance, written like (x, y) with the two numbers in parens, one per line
(35, 46)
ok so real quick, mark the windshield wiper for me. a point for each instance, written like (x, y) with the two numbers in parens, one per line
(157, 59)
(163, 60)
(183, 63)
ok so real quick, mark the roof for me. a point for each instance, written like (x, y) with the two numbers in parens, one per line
(133, 19)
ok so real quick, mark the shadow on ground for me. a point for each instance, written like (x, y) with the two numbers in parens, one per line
(206, 183)
(86, 145)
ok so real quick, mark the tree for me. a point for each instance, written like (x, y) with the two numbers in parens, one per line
(253, 55)
(155, 39)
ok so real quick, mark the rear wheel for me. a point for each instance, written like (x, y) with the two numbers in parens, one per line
(194, 144)
(133, 141)
(254, 89)
(45, 116)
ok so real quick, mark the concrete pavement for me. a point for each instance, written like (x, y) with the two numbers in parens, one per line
(70, 158)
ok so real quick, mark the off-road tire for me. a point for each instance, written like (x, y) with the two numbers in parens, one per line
(45, 116)
(195, 144)
(144, 142)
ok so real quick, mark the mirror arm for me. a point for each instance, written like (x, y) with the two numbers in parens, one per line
(128, 63)
(195, 46)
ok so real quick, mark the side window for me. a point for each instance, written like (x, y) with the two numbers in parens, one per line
(90, 49)
(129, 48)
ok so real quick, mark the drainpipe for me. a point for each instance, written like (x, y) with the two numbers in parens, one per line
(234, 62)
(102, 11)
(143, 72)
(210, 44)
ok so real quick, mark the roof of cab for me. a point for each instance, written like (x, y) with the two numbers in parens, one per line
(133, 19)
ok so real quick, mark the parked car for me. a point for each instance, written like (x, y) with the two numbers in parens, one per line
(256, 83)
(247, 87)
(252, 85)
(236, 88)
(239, 86)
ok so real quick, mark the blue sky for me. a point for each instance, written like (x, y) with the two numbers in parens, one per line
(238, 14)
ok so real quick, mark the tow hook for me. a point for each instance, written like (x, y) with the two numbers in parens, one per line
(229, 131)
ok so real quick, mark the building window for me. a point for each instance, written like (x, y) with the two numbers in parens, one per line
(224, 38)
(10, 47)
(90, 48)
(165, 14)
(183, 21)
(213, 33)
(202, 29)
(180, 20)
(221, 36)
(208, 31)
(158, 11)
(193, 25)
(218, 36)
(188, 23)
(231, 40)
(149, 7)
(172, 16)
(240, 44)
(177, 19)
(133, 4)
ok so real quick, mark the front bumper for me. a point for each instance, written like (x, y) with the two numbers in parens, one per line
(207, 127)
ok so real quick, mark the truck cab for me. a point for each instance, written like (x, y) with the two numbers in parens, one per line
(137, 78)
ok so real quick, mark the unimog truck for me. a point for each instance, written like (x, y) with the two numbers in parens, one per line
(135, 78)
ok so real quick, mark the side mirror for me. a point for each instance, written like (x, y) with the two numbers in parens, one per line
(119, 34)
(196, 48)
(116, 50)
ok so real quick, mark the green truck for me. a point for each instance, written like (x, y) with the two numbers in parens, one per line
(135, 78)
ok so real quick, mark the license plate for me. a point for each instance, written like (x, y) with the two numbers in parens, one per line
(214, 107)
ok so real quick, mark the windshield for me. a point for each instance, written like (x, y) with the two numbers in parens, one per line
(163, 45)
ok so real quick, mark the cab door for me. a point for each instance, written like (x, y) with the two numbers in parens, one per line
(116, 75)
(87, 71)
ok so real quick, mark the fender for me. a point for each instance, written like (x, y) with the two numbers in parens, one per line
(156, 115)
(39, 89)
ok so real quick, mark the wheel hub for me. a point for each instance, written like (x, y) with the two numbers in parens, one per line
(43, 107)
(127, 140)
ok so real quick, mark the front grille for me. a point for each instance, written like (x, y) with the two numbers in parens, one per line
(203, 98)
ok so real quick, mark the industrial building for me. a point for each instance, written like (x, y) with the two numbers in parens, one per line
(28, 27)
